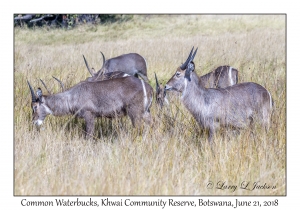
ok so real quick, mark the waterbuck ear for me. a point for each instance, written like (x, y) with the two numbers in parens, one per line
(189, 69)
(191, 66)
(39, 93)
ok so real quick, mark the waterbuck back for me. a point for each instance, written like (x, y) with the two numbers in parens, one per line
(110, 98)
(234, 106)
(131, 64)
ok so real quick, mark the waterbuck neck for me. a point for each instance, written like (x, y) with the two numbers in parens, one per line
(58, 104)
(195, 86)
(194, 92)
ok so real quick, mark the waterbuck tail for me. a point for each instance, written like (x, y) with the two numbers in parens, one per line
(143, 77)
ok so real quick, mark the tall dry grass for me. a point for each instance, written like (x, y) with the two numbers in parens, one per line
(171, 157)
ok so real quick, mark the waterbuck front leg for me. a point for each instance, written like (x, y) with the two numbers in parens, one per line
(89, 123)
(212, 126)
(211, 133)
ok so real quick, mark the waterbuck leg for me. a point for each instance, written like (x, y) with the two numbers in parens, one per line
(147, 118)
(211, 133)
(90, 124)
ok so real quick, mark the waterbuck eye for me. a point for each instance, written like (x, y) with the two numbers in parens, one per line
(34, 108)
(177, 74)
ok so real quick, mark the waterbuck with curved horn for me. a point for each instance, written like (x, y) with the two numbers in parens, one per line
(131, 64)
(234, 106)
(221, 77)
(88, 100)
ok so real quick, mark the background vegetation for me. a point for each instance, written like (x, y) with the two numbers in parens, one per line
(66, 21)
(171, 157)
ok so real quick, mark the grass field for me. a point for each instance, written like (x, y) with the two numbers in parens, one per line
(171, 157)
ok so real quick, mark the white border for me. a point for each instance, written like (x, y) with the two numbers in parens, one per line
(8, 201)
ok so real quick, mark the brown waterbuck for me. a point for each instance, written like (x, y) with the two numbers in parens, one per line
(88, 100)
(131, 64)
(234, 106)
(221, 77)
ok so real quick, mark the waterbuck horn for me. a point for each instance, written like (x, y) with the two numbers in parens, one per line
(183, 66)
(190, 66)
(157, 84)
(46, 87)
(102, 68)
(60, 82)
(192, 58)
(103, 58)
(33, 97)
(87, 66)
(101, 71)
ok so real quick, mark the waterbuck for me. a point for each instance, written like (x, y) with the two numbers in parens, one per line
(221, 77)
(88, 100)
(131, 63)
(160, 94)
(236, 106)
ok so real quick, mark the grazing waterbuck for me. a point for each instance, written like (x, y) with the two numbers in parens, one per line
(221, 77)
(131, 63)
(234, 106)
(88, 100)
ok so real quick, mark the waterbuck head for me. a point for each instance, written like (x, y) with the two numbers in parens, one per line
(40, 110)
(179, 80)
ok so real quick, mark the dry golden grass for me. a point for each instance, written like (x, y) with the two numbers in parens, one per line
(172, 157)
